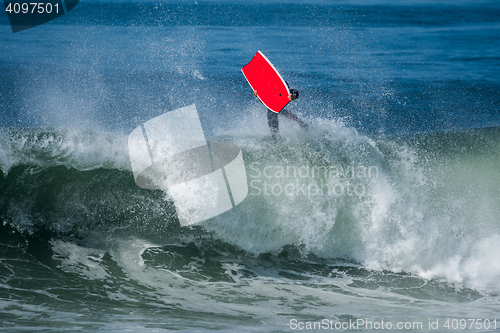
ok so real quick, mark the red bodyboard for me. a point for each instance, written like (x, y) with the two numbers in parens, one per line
(271, 88)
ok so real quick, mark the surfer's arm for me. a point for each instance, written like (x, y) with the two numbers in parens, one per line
(255, 94)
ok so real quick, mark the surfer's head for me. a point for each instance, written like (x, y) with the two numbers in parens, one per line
(294, 94)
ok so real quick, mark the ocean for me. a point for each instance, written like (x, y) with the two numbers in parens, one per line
(384, 215)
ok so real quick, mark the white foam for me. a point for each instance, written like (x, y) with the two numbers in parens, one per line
(81, 149)
(415, 216)
(260, 296)
(482, 268)
(81, 260)
(5, 163)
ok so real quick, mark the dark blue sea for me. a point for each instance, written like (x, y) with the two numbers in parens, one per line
(402, 99)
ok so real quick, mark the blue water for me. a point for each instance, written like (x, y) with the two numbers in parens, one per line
(407, 90)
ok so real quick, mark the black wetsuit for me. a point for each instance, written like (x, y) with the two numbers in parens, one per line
(272, 121)
(272, 117)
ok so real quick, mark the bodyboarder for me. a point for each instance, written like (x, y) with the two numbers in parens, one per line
(272, 117)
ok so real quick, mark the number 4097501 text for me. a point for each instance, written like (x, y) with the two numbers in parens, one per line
(32, 8)
(476, 324)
